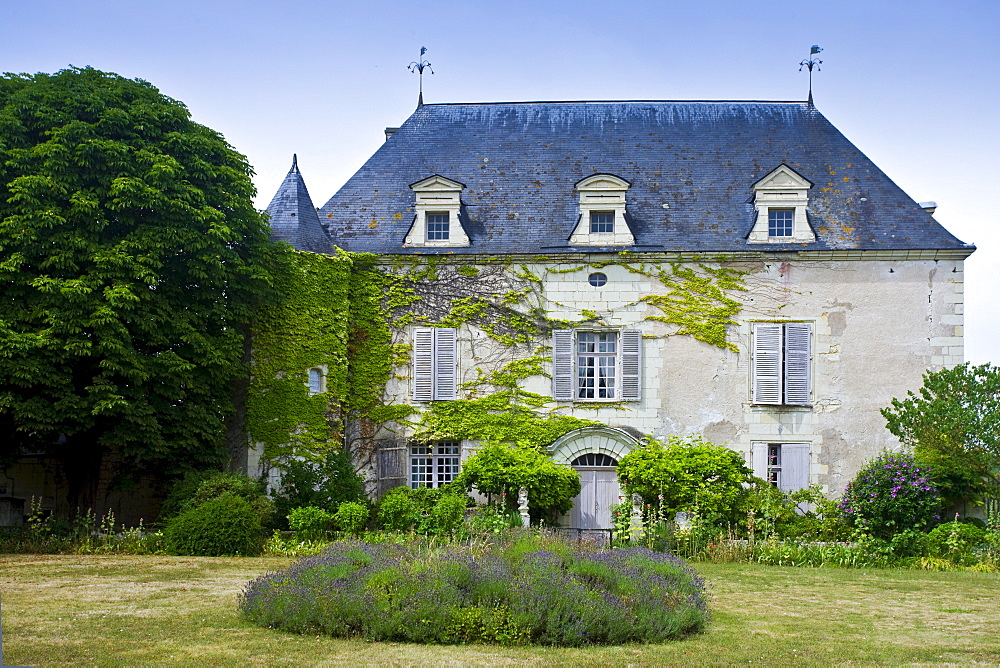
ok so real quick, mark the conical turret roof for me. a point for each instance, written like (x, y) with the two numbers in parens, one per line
(293, 216)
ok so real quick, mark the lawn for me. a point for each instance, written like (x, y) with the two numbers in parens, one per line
(132, 610)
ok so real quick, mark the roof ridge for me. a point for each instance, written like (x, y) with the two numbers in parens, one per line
(446, 104)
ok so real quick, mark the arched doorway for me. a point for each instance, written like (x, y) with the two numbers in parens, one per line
(594, 452)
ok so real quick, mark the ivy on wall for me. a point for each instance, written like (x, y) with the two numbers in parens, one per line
(350, 312)
(306, 328)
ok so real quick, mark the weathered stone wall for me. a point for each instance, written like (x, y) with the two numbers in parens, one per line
(877, 325)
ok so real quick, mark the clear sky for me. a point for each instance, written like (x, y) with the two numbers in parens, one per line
(912, 83)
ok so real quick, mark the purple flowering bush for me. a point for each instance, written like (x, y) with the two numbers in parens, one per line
(891, 495)
(534, 590)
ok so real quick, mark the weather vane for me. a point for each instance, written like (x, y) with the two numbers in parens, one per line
(419, 66)
(810, 63)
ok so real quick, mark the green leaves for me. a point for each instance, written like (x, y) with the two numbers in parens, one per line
(130, 263)
(953, 424)
(688, 473)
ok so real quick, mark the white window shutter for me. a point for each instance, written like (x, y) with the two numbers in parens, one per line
(631, 355)
(797, 364)
(423, 364)
(445, 363)
(794, 466)
(562, 365)
(758, 459)
(766, 363)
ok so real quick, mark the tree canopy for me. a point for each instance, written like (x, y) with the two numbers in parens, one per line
(131, 258)
(953, 425)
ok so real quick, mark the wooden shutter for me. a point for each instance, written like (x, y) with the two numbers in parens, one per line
(445, 363)
(797, 364)
(758, 459)
(631, 356)
(562, 365)
(766, 363)
(423, 364)
(392, 464)
(794, 466)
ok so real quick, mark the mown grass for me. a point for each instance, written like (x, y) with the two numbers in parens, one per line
(141, 610)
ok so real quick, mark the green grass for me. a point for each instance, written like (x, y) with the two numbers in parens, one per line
(142, 610)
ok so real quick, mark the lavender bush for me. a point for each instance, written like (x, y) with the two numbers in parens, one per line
(534, 590)
(891, 495)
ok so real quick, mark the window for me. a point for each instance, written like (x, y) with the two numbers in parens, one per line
(435, 363)
(602, 222)
(317, 380)
(437, 214)
(596, 366)
(434, 464)
(780, 363)
(779, 222)
(784, 465)
(597, 279)
(437, 226)
(781, 201)
(601, 210)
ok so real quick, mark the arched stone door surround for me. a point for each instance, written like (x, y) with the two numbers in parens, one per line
(599, 484)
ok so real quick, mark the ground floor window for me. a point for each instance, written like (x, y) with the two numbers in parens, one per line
(434, 464)
(784, 465)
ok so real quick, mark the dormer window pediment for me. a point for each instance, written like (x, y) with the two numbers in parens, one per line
(601, 220)
(438, 206)
(781, 202)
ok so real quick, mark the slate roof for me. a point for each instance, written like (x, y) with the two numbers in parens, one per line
(692, 166)
(293, 216)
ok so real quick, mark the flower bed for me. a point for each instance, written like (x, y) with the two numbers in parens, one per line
(534, 590)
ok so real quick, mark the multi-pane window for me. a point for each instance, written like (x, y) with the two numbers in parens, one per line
(784, 465)
(779, 222)
(774, 464)
(434, 464)
(596, 365)
(602, 222)
(437, 226)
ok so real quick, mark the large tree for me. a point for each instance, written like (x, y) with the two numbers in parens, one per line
(130, 262)
(953, 425)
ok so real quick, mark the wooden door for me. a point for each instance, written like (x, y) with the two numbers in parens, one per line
(599, 490)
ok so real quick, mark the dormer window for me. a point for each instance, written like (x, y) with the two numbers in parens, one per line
(437, 220)
(781, 202)
(437, 226)
(780, 222)
(601, 220)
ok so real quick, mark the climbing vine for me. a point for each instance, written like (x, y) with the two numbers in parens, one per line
(305, 329)
(350, 312)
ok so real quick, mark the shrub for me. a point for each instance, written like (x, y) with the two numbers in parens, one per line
(804, 513)
(198, 487)
(533, 592)
(351, 517)
(224, 526)
(688, 473)
(955, 541)
(503, 470)
(325, 484)
(398, 511)
(448, 514)
(890, 494)
(310, 522)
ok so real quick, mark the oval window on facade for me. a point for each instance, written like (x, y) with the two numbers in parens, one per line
(597, 279)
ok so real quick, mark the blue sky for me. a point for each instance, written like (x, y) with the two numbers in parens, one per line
(912, 83)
